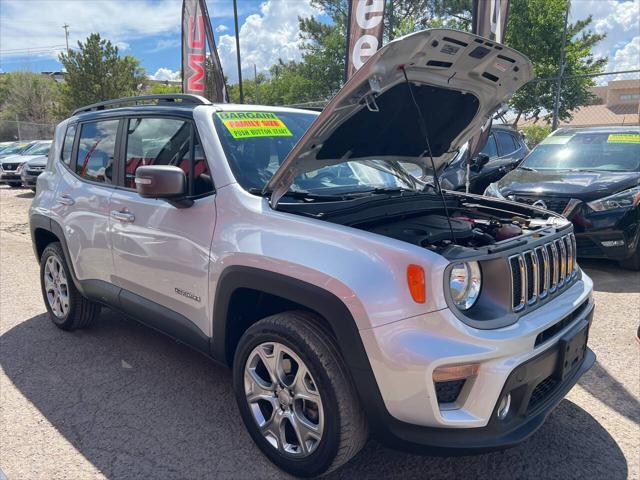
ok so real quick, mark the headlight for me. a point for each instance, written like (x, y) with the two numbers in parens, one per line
(465, 280)
(493, 191)
(627, 199)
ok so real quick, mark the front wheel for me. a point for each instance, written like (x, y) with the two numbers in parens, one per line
(67, 308)
(15, 185)
(633, 262)
(295, 395)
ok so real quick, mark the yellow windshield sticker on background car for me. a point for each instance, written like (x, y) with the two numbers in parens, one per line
(254, 124)
(557, 140)
(623, 138)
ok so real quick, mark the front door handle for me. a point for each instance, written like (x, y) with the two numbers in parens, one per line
(123, 216)
(65, 199)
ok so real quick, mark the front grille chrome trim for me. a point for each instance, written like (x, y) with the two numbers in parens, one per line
(542, 271)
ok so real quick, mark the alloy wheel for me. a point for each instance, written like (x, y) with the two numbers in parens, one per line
(284, 399)
(56, 286)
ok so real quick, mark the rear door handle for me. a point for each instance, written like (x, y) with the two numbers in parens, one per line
(125, 217)
(65, 199)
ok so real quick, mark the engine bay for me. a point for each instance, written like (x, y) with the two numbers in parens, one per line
(472, 221)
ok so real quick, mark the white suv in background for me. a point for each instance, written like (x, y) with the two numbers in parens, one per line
(348, 297)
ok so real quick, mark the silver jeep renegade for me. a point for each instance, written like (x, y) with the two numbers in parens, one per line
(349, 297)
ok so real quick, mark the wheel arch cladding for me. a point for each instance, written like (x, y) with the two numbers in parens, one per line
(291, 294)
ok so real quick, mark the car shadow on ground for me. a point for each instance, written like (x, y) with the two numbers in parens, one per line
(138, 405)
(608, 276)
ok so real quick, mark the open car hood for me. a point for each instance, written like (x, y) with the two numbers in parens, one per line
(459, 80)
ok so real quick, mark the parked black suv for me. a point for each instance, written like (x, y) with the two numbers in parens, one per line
(592, 177)
(503, 151)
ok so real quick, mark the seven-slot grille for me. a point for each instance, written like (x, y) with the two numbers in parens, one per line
(542, 271)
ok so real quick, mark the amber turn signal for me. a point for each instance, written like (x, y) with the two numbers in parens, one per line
(415, 281)
(455, 372)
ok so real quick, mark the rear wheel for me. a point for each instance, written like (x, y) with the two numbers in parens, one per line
(67, 308)
(15, 185)
(295, 395)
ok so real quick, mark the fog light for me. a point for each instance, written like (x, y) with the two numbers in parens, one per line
(613, 243)
(503, 408)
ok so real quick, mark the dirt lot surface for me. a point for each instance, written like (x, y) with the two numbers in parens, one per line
(121, 401)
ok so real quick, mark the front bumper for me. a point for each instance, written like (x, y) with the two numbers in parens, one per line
(9, 177)
(29, 180)
(612, 234)
(521, 359)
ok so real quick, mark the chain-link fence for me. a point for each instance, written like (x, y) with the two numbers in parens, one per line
(24, 131)
(604, 99)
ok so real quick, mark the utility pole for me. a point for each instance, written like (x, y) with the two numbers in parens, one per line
(66, 35)
(235, 19)
(255, 79)
(390, 20)
(18, 125)
(556, 103)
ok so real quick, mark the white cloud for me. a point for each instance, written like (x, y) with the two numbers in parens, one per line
(164, 44)
(265, 37)
(221, 28)
(38, 23)
(619, 20)
(628, 57)
(166, 74)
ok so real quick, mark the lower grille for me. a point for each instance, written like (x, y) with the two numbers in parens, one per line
(542, 271)
(448, 392)
(542, 391)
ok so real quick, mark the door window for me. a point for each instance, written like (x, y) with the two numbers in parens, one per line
(166, 141)
(490, 149)
(506, 143)
(96, 150)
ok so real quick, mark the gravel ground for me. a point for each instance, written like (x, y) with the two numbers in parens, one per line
(121, 401)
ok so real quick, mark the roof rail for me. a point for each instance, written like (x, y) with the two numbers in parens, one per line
(170, 98)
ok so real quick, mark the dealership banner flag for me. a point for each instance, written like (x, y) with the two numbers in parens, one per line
(490, 18)
(364, 32)
(196, 31)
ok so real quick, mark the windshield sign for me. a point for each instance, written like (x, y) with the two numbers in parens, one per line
(602, 151)
(256, 143)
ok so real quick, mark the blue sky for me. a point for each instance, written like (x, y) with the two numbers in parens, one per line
(31, 32)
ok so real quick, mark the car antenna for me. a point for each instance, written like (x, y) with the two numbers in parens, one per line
(423, 128)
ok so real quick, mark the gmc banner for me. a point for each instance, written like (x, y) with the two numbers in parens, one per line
(196, 29)
(490, 18)
(364, 32)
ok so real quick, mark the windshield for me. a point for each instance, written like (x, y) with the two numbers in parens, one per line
(615, 152)
(14, 149)
(256, 143)
(38, 149)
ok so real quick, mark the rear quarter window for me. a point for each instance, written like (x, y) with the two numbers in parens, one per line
(67, 145)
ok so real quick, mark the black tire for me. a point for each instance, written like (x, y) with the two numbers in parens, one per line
(33, 189)
(345, 426)
(15, 185)
(633, 262)
(82, 312)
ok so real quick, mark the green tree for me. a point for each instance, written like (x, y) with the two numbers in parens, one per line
(324, 45)
(30, 98)
(156, 88)
(535, 133)
(96, 72)
(535, 29)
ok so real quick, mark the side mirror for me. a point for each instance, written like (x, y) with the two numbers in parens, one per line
(163, 181)
(480, 160)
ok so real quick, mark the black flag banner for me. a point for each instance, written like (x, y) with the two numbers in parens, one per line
(364, 32)
(490, 18)
(196, 31)
(490, 21)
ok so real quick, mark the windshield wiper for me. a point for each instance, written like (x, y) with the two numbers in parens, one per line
(300, 194)
(528, 169)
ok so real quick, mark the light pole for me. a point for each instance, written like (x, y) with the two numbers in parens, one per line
(235, 19)
(556, 103)
(66, 36)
